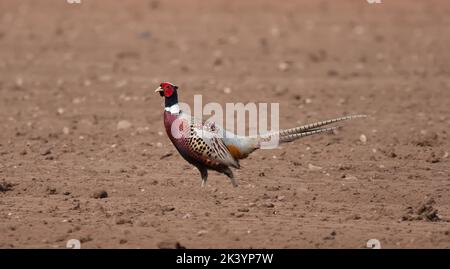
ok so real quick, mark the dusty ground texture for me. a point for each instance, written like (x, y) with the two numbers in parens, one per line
(69, 73)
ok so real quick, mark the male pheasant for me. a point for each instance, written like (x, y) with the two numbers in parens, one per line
(209, 147)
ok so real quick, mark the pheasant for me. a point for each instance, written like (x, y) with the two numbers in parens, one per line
(208, 146)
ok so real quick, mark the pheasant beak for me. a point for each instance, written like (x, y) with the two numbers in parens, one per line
(160, 90)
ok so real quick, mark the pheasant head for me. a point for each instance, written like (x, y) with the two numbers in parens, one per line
(169, 92)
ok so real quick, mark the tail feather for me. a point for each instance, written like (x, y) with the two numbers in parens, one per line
(294, 136)
(315, 125)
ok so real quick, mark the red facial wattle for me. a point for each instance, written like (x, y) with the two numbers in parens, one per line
(168, 91)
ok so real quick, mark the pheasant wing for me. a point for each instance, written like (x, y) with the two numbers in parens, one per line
(206, 142)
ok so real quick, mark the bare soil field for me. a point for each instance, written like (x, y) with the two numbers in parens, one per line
(69, 73)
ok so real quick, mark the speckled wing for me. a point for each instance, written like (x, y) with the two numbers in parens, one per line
(207, 144)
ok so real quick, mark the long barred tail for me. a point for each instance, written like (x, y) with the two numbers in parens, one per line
(292, 134)
(295, 136)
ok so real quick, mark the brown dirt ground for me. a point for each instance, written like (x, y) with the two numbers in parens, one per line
(70, 73)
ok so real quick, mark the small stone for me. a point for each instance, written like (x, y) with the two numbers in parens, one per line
(123, 125)
(167, 155)
(314, 168)
(51, 191)
(45, 151)
(19, 82)
(122, 221)
(170, 245)
(100, 194)
(77, 100)
(227, 90)
(363, 139)
(268, 205)
(275, 31)
(283, 66)
(167, 208)
(4, 187)
(60, 111)
(66, 130)
(273, 188)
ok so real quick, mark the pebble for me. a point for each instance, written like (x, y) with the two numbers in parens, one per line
(66, 130)
(283, 66)
(170, 245)
(351, 178)
(314, 168)
(239, 215)
(123, 125)
(19, 82)
(275, 31)
(77, 100)
(100, 194)
(45, 151)
(268, 205)
(363, 139)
